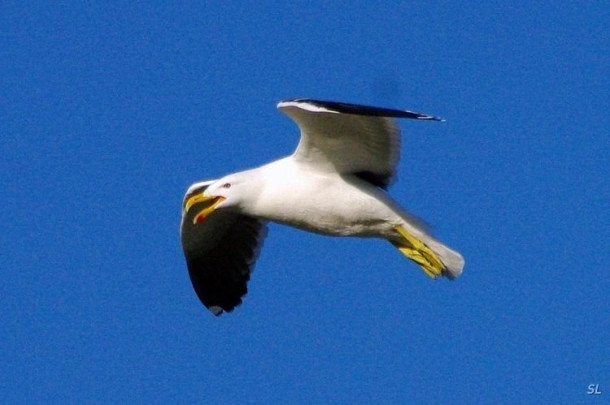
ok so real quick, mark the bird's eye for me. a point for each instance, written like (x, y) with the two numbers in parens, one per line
(226, 185)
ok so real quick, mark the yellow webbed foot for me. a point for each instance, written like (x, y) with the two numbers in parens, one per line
(421, 254)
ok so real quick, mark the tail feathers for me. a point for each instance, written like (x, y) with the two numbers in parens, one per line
(453, 261)
(433, 257)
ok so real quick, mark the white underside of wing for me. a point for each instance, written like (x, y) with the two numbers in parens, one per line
(345, 143)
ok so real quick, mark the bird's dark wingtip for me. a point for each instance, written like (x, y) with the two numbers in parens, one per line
(359, 109)
(433, 118)
(216, 310)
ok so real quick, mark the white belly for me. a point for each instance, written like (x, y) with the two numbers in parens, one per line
(327, 204)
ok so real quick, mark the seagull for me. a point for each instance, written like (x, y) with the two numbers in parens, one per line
(335, 183)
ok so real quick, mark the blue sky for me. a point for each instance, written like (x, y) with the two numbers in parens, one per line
(109, 112)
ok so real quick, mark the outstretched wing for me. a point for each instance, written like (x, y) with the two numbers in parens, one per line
(220, 254)
(349, 138)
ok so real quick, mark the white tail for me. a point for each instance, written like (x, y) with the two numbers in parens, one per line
(453, 261)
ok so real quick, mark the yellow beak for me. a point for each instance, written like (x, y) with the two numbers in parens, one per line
(201, 198)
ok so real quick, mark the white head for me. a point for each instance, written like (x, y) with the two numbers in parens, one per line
(230, 192)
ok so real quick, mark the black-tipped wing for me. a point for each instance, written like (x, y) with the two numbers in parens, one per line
(220, 254)
(358, 109)
(349, 138)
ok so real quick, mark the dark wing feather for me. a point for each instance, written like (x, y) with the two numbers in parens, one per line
(357, 109)
(220, 254)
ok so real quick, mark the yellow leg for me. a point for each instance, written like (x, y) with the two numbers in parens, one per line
(421, 254)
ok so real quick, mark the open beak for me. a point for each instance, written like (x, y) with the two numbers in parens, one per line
(211, 203)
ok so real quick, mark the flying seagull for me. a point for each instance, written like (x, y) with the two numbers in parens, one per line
(334, 184)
